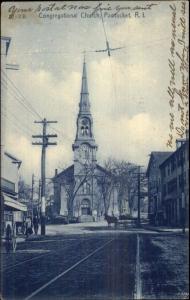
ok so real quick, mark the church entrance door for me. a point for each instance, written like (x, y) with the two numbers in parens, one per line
(85, 207)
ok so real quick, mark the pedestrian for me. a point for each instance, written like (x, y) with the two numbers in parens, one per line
(14, 241)
(8, 238)
(23, 228)
(28, 227)
(36, 225)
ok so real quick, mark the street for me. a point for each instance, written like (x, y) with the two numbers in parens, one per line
(92, 261)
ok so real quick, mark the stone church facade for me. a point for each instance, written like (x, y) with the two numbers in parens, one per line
(82, 190)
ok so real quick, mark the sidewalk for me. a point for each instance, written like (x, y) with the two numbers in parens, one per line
(165, 229)
(19, 239)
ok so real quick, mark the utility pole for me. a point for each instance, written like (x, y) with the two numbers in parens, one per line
(44, 143)
(139, 198)
(183, 204)
(32, 196)
(139, 195)
(39, 197)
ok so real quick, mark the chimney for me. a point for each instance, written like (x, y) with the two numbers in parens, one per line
(56, 172)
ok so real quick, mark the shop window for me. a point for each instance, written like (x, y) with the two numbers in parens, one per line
(172, 185)
(168, 169)
(7, 185)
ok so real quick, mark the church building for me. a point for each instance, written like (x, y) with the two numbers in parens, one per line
(84, 189)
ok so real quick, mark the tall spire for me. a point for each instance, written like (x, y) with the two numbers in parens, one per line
(84, 133)
(84, 95)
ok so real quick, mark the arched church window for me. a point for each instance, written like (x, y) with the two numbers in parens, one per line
(85, 126)
(83, 130)
(86, 153)
(86, 188)
(86, 130)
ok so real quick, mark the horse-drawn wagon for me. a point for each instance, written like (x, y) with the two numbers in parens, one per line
(122, 222)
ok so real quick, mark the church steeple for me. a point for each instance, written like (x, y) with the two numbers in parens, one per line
(84, 133)
(84, 104)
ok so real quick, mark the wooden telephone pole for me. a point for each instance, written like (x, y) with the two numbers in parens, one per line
(139, 197)
(39, 197)
(44, 143)
(138, 173)
(32, 195)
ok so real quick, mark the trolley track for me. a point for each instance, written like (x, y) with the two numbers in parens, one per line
(87, 261)
(8, 268)
(37, 291)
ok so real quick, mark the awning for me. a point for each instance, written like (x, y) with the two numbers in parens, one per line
(13, 204)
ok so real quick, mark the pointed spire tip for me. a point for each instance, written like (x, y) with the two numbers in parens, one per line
(84, 57)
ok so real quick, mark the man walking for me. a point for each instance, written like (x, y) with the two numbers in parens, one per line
(29, 230)
(14, 241)
(35, 224)
(8, 238)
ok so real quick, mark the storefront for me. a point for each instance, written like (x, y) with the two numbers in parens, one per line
(14, 212)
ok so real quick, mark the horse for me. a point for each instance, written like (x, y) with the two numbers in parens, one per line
(111, 220)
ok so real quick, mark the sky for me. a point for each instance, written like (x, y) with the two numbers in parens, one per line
(128, 91)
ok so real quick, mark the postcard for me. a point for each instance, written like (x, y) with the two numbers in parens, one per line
(94, 150)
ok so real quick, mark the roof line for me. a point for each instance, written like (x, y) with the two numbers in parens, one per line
(12, 157)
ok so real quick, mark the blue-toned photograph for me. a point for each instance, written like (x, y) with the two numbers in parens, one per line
(94, 150)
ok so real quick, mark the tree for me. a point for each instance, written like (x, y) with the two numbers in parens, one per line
(122, 175)
(24, 190)
(126, 175)
(105, 181)
(72, 185)
(122, 178)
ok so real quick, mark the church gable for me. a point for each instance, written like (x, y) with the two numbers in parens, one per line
(68, 173)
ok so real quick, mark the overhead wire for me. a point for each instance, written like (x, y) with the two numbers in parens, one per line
(25, 126)
(114, 86)
(23, 101)
(18, 99)
(113, 81)
(69, 53)
(103, 24)
(18, 121)
(149, 44)
(23, 97)
(16, 126)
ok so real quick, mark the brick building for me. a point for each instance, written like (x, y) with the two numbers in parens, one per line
(168, 186)
(155, 209)
(175, 185)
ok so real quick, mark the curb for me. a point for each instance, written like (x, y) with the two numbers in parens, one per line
(164, 230)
